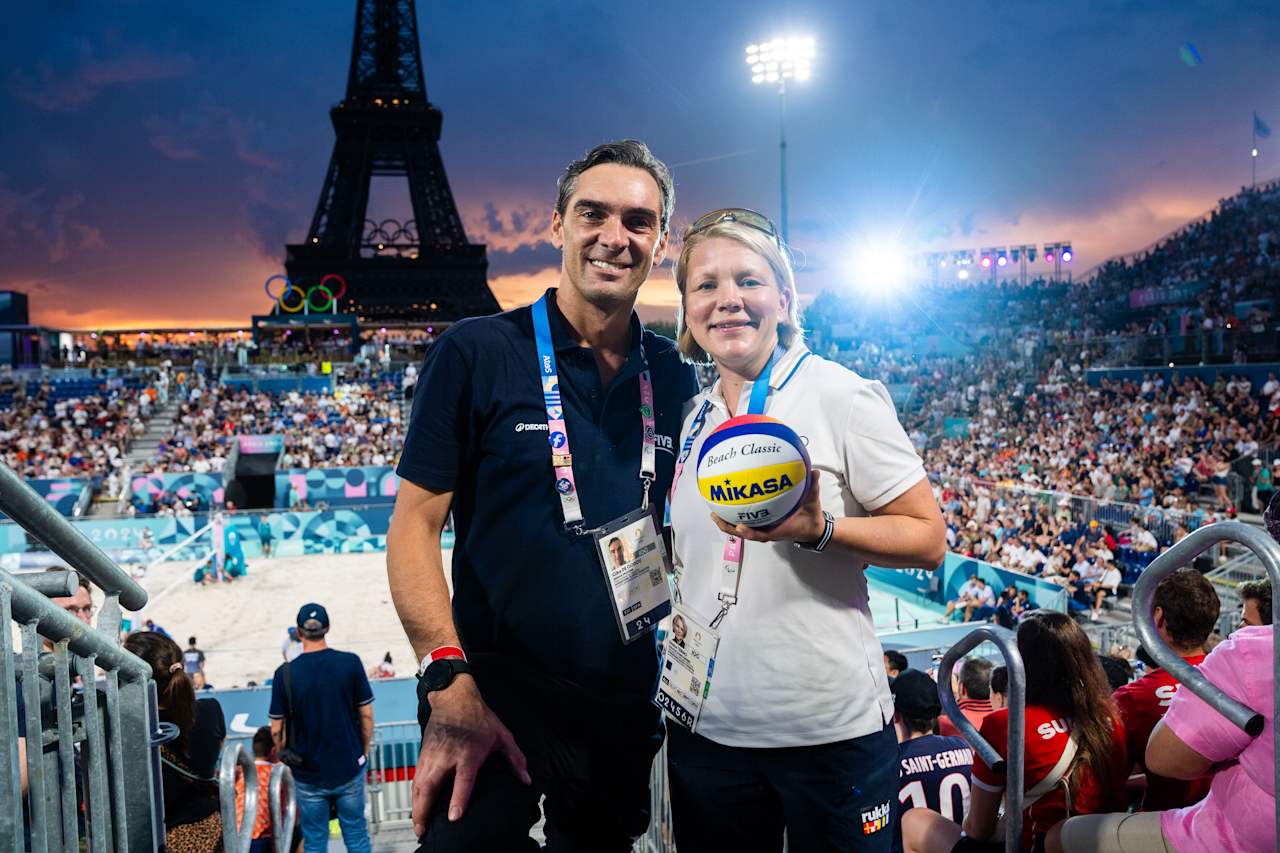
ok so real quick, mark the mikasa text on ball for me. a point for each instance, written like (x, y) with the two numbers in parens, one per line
(753, 470)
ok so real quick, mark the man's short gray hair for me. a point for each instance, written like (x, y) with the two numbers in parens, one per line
(627, 152)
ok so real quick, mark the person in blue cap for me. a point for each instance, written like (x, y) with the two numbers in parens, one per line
(322, 714)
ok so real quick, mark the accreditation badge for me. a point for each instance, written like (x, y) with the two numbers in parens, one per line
(636, 566)
(687, 663)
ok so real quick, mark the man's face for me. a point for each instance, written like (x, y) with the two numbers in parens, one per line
(615, 550)
(1249, 614)
(79, 605)
(610, 234)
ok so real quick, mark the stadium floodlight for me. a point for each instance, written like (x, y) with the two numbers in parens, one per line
(775, 62)
(1002, 258)
(1067, 254)
(986, 262)
(963, 275)
(1048, 255)
(879, 268)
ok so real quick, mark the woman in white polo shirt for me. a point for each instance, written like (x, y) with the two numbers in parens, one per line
(795, 731)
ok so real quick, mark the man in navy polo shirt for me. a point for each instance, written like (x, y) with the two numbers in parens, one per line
(547, 698)
(322, 708)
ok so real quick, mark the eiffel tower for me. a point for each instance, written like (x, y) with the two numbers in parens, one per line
(422, 270)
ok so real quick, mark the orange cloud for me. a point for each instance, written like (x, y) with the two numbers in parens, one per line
(658, 298)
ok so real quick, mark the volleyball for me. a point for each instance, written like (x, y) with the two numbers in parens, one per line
(753, 470)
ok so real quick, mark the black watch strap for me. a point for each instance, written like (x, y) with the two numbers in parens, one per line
(440, 674)
(825, 539)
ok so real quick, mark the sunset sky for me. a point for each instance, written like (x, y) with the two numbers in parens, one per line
(155, 158)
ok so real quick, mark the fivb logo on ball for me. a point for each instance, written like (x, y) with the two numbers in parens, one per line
(753, 470)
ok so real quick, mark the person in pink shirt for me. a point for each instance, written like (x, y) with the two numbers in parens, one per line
(1238, 815)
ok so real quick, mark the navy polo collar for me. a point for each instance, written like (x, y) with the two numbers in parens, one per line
(561, 340)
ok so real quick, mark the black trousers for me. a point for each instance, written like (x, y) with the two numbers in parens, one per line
(839, 796)
(590, 757)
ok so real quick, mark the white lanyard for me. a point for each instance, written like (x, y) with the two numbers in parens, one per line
(558, 433)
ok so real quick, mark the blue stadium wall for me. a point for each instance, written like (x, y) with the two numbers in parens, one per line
(944, 585)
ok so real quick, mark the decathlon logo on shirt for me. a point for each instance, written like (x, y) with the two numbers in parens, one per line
(876, 819)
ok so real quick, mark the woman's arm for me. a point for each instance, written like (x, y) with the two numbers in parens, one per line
(907, 532)
(984, 812)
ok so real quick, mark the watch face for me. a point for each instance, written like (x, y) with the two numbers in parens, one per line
(439, 674)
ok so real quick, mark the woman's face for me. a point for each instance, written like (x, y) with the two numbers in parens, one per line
(732, 303)
(679, 629)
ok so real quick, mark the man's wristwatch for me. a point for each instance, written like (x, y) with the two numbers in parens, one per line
(439, 674)
(824, 539)
(438, 669)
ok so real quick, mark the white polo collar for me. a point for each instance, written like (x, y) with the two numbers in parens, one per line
(783, 370)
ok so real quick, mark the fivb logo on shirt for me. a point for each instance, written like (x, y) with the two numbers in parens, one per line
(876, 819)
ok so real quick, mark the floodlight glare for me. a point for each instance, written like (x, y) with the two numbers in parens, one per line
(986, 262)
(963, 275)
(1048, 256)
(879, 269)
(1067, 256)
(1002, 261)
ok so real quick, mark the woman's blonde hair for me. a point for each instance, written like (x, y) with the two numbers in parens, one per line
(789, 330)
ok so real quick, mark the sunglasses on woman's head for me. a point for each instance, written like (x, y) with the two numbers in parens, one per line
(750, 218)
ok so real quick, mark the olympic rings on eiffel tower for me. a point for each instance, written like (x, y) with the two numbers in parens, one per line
(327, 301)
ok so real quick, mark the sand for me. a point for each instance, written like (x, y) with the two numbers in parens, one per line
(241, 626)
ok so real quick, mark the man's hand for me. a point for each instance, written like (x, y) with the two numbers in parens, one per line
(460, 735)
(806, 524)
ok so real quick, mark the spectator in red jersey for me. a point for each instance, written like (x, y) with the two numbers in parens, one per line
(972, 688)
(1074, 743)
(1186, 611)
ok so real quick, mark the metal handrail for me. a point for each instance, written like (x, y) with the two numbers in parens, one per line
(284, 807)
(1014, 764)
(32, 512)
(1181, 554)
(52, 620)
(56, 583)
(237, 838)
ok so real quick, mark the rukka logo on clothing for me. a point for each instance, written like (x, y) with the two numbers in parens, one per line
(876, 819)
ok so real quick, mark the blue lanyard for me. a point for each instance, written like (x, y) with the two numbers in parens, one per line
(760, 388)
(558, 432)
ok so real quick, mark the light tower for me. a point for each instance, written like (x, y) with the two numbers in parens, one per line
(775, 62)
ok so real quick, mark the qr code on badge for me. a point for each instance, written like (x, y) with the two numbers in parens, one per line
(655, 577)
(694, 684)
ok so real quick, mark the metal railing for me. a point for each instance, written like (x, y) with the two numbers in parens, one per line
(284, 807)
(1182, 554)
(281, 802)
(237, 838)
(113, 719)
(1015, 762)
(394, 753)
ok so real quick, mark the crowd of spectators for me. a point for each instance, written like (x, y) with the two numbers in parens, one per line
(1115, 760)
(48, 431)
(1149, 443)
(358, 424)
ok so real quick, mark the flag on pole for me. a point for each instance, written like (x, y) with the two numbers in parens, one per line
(1260, 128)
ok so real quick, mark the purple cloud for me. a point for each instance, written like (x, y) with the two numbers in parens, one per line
(54, 91)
